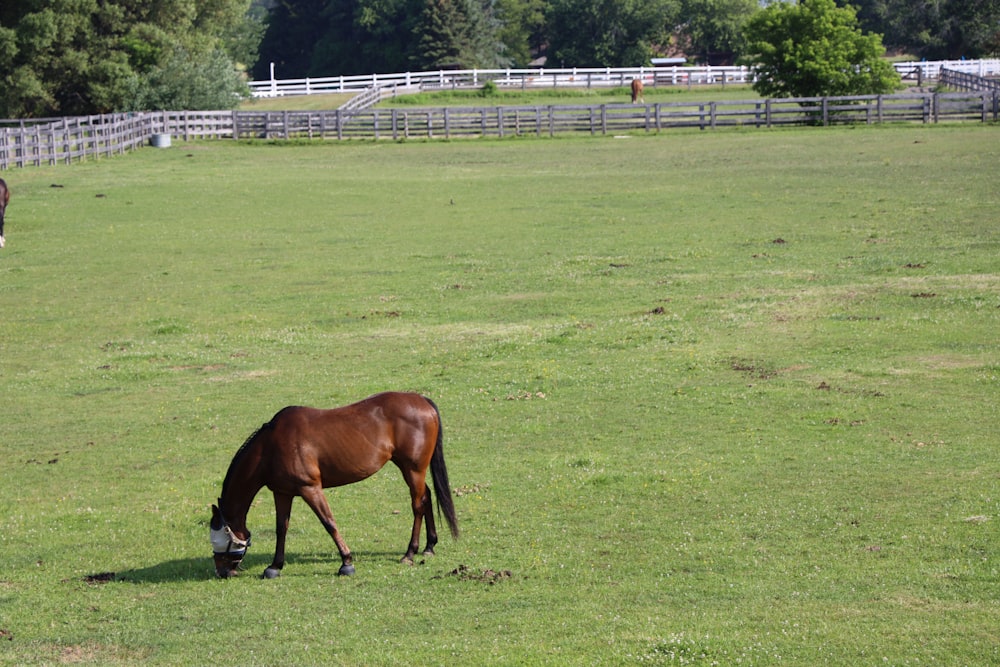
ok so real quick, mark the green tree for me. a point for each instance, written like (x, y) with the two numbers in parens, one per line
(521, 29)
(74, 57)
(462, 34)
(813, 48)
(607, 33)
(364, 36)
(293, 29)
(714, 28)
(944, 29)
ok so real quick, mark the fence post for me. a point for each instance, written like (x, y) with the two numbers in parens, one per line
(68, 145)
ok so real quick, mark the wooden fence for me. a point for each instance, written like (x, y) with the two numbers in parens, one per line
(62, 140)
(966, 81)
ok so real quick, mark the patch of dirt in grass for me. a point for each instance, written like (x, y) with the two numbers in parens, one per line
(525, 396)
(204, 368)
(488, 576)
(469, 489)
(92, 653)
(241, 375)
(753, 368)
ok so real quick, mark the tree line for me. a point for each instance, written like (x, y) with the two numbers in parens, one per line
(75, 57)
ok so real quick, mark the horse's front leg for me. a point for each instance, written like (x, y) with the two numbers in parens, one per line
(317, 501)
(282, 513)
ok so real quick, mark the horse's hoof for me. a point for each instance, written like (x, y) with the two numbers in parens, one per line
(406, 560)
(346, 570)
(271, 573)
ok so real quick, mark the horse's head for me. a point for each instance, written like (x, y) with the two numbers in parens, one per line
(228, 547)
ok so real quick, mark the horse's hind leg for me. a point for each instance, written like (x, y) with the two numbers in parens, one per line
(317, 501)
(420, 500)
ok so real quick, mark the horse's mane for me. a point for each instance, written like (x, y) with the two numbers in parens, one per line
(239, 455)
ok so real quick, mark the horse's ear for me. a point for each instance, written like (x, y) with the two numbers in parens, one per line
(217, 521)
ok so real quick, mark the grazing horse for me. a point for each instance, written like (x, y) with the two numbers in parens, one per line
(4, 198)
(637, 91)
(302, 451)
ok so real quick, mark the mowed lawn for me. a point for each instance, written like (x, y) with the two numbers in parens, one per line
(709, 398)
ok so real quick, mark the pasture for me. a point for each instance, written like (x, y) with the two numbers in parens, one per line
(708, 398)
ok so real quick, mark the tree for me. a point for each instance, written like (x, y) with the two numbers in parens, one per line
(293, 29)
(77, 57)
(521, 29)
(714, 28)
(458, 34)
(607, 33)
(813, 48)
(943, 29)
(365, 36)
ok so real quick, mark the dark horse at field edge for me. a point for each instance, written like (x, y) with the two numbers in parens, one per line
(4, 199)
(303, 450)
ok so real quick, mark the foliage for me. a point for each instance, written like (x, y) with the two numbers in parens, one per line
(607, 33)
(326, 37)
(521, 30)
(76, 57)
(813, 48)
(948, 29)
(456, 34)
(181, 81)
(688, 443)
(293, 29)
(714, 28)
(488, 89)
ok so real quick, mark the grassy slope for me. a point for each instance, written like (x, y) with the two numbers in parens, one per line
(686, 441)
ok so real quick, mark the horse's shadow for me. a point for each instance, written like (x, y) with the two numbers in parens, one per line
(203, 569)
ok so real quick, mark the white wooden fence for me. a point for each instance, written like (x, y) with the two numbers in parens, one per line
(577, 77)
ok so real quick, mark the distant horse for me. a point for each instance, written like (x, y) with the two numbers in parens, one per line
(637, 91)
(4, 198)
(302, 451)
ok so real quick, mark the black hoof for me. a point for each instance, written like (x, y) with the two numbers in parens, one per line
(271, 573)
(346, 570)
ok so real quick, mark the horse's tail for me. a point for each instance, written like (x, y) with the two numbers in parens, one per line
(439, 473)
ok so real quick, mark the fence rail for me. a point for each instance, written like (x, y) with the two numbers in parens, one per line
(62, 140)
(966, 81)
(577, 77)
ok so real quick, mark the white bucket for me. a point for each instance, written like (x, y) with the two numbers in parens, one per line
(160, 140)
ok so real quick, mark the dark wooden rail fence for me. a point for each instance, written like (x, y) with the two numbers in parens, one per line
(62, 140)
(965, 81)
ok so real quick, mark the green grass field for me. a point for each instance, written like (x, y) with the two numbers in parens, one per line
(709, 398)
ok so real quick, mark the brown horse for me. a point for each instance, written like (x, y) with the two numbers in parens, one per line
(4, 198)
(637, 91)
(302, 450)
